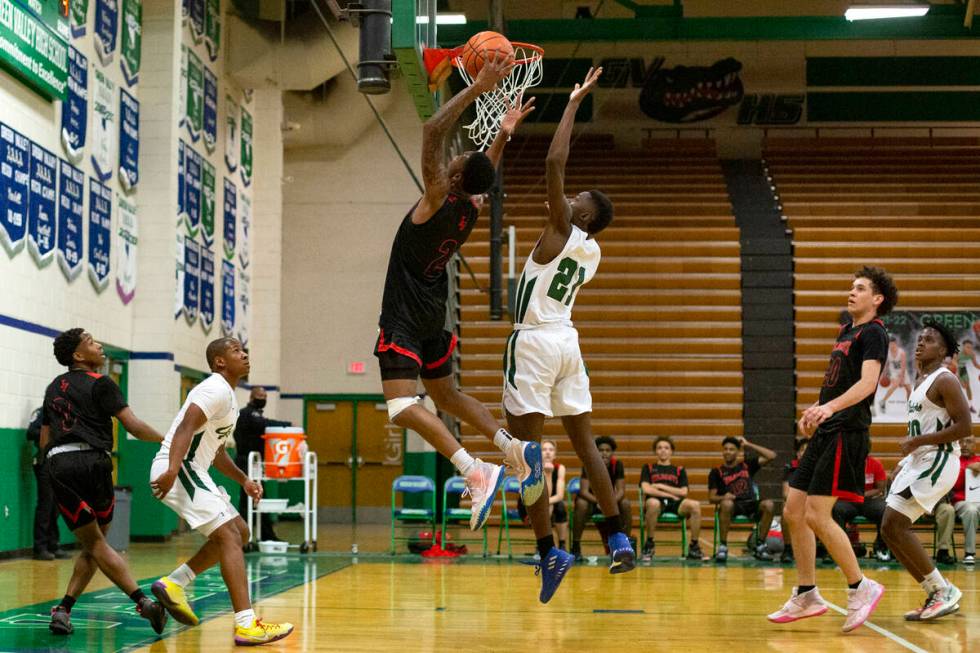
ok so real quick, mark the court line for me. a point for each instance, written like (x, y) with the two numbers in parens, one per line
(882, 631)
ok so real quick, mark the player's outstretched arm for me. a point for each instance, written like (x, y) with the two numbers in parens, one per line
(194, 420)
(953, 399)
(766, 455)
(137, 427)
(514, 116)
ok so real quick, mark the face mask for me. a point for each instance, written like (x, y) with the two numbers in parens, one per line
(259, 403)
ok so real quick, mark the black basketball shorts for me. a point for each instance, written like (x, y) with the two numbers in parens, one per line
(402, 355)
(82, 483)
(833, 465)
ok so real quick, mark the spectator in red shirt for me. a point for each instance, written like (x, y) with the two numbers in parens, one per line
(873, 508)
(967, 511)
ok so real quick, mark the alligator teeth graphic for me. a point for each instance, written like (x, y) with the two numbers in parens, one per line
(691, 93)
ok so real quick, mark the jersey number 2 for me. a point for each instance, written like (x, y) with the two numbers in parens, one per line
(562, 289)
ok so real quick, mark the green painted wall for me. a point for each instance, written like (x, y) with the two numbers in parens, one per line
(17, 491)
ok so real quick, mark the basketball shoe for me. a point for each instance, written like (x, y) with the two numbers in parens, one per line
(524, 458)
(60, 621)
(172, 597)
(945, 601)
(552, 569)
(261, 633)
(799, 606)
(482, 483)
(861, 602)
(622, 554)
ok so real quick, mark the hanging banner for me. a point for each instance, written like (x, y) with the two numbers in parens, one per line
(74, 110)
(132, 39)
(182, 88)
(207, 289)
(212, 28)
(207, 202)
(126, 248)
(197, 20)
(79, 17)
(71, 198)
(103, 126)
(227, 298)
(129, 141)
(192, 191)
(106, 26)
(99, 234)
(210, 120)
(246, 157)
(185, 11)
(181, 193)
(192, 271)
(231, 134)
(244, 230)
(41, 205)
(195, 96)
(179, 294)
(15, 155)
(242, 307)
(231, 218)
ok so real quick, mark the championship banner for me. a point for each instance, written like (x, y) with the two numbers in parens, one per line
(181, 192)
(192, 191)
(212, 28)
(231, 134)
(182, 87)
(129, 141)
(899, 372)
(126, 248)
(79, 17)
(192, 271)
(103, 126)
(207, 289)
(246, 156)
(227, 298)
(243, 306)
(71, 198)
(132, 38)
(99, 234)
(244, 230)
(41, 205)
(195, 96)
(231, 218)
(207, 202)
(15, 155)
(179, 271)
(197, 20)
(74, 109)
(210, 120)
(106, 26)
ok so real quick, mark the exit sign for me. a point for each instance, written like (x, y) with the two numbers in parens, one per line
(356, 367)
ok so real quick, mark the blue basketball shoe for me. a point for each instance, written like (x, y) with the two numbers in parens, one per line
(622, 554)
(552, 569)
(524, 459)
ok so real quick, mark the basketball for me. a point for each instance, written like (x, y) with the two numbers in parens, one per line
(885, 382)
(481, 47)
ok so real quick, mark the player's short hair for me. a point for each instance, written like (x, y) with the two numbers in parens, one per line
(606, 439)
(733, 440)
(966, 342)
(892, 337)
(881, 284)
(663, 438)
(65, 345)
(478, 173)
(603, 212)
(217, 348)
(952, 348)
(551, 442)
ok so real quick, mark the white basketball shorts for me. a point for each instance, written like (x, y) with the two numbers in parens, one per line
(196, 498)
(544, 373)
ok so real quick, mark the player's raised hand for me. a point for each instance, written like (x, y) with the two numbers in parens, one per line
(496, 67)
(516, 113)
(583, 89)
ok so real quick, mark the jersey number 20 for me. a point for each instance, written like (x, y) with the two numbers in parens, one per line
(562, 288)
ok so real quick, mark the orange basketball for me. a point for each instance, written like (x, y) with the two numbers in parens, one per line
(885, 381)
(481, 47)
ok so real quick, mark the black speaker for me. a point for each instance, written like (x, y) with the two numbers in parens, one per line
(375, 46)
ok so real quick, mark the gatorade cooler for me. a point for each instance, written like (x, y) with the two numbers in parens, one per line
(284, 447)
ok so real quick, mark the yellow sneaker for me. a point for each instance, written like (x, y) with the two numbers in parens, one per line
(172, 597)
(261, 633)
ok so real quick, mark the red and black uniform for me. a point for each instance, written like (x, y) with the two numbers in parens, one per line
(833, 464)
(671, 475)
(78, 409)
(789, 469)
(737, 479)
(616, 471)
(413, 339)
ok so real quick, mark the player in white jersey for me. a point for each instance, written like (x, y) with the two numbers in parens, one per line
(544, 375)
(179, 477)
(939, 417)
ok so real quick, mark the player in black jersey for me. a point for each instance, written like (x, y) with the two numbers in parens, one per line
(833, 465)
(665, 490)
(76, 438)
(413, 340)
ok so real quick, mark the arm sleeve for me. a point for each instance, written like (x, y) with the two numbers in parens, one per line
(682, 477)
(212, 401)
(714, 481)
(108, 397)
(645, 474)
(876, 346)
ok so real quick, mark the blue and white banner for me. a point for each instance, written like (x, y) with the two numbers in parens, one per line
(71, 206)
(129, 141)
(106, 27)
(192, 278)
(210, 128)
(231, 134)
(99, 234)
(126, 250)
(207, 289)
(74, 109)
(103, 126)
(244, 230)
(15, 155)
(41, 205)
(181, 182)
(231, 218)
(227, 298)
(192, 191)
(197, 19)
(243, 306)
(179, 294)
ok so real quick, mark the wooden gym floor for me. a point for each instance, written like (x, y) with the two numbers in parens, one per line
(376, 603)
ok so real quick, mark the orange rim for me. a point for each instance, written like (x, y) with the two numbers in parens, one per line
(455, 53)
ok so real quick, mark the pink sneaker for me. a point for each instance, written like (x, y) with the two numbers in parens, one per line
(482, 484)
(861, 602)
(799, 606)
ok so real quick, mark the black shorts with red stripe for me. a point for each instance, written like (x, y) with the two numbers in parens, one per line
(833, 465)
(405, 356)
(82, 483)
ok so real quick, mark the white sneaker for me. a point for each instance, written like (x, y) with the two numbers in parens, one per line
(482, 483)
(524, 459)
(799, 606)
(969, 559)
(942, 603)
(861, 602)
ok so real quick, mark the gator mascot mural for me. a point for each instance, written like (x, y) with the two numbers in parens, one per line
(691, 93)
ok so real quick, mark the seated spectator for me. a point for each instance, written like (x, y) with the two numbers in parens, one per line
(665, 490)
(731, 489)
(967, 511)
(799, 446)
(873, 508)
(554, 479)
(586, 504)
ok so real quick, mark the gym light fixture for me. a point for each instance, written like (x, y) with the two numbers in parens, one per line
(875, 12)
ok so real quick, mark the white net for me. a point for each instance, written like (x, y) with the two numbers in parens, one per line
(491, 107)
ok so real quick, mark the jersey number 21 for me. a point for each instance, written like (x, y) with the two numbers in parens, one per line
(562, 288)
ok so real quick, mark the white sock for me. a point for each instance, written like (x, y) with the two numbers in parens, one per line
(933, 582)
(245, 618)
(502, 439)
(462, 461)
(182, 575)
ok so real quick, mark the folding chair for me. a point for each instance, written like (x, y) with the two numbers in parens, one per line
(402, 518)
(454, 516)
(664, 518)
(511, 515)
(740, 520)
